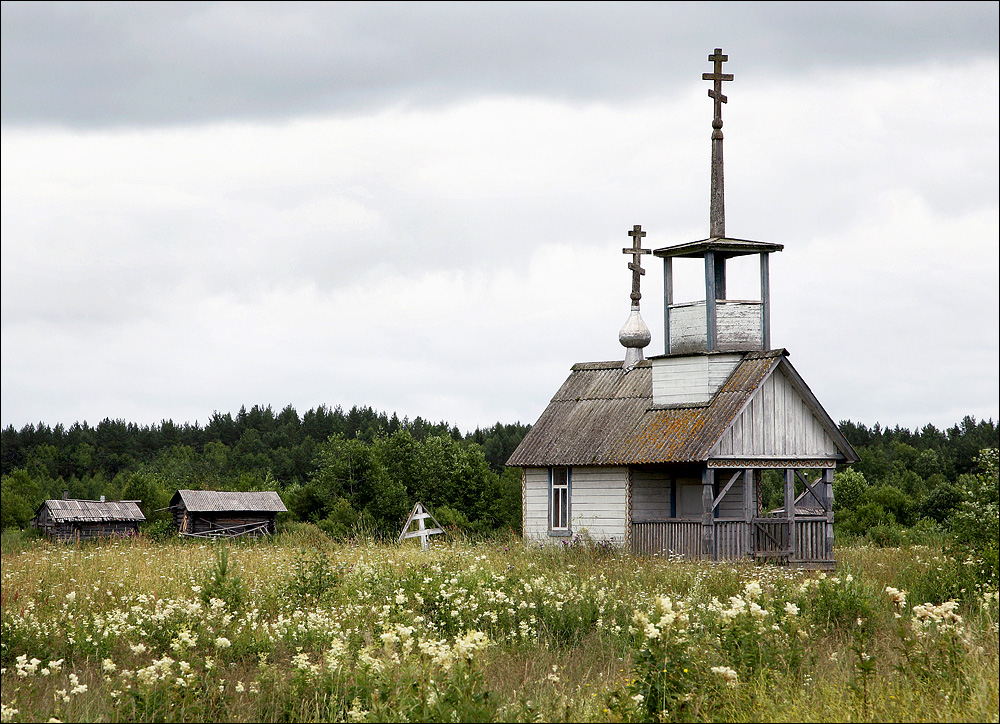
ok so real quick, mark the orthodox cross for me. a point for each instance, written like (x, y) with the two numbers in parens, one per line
(718, 205)
(635, 265)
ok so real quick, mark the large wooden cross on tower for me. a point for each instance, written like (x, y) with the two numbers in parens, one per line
(717, 220)
(716, 93)
(635, 265)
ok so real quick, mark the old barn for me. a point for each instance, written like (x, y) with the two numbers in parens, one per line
(667, 454)
(85, 519)
(212, 514)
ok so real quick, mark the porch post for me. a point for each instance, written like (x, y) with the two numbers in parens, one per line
(707, 514)
(828, 504)
(749, 508)
(790, 510)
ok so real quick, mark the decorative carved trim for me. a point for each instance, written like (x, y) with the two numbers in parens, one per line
(757, 463)
(628, 507)
(524, 504)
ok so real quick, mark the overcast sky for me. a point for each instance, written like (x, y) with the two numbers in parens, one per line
(422, 207)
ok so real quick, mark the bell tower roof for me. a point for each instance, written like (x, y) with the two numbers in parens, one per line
(721, 246)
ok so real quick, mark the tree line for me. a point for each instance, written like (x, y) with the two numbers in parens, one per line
(340, 469)
(363, 469)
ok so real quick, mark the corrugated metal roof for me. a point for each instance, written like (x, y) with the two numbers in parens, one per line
(213, 501)
(601, 416)
(93, 511)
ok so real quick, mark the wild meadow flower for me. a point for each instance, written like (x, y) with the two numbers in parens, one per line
(222, 643)
(78, 688)
(896, 596)
(942, 616)
(26, 668)
(356, 713)
(728, 675)
(791, 609)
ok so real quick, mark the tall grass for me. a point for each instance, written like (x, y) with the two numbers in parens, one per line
(300, 628)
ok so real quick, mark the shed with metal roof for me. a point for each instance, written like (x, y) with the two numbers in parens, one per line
(214, 513)
(70, 519)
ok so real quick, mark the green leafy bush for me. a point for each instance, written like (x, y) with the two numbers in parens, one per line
(221, 583)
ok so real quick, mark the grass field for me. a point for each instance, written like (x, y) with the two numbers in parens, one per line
(299, 628)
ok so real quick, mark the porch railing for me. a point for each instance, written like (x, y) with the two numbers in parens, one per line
(674, 537)
(765, 538)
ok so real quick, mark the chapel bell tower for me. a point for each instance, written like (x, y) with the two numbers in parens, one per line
(717, 323)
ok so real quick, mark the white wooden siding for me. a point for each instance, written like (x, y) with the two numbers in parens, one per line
(737, 326)
(597, 501)
(688, 330)
(690, 380)
(536, 503)
(776, 422)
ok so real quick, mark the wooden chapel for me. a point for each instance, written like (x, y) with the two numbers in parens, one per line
(665, 455)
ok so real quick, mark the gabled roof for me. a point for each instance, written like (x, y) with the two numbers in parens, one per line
(213, 501)
(601, 416)
(92, 511)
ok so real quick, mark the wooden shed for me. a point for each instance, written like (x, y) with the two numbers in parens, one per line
(85, 519)
(213, 514)
(666, 455)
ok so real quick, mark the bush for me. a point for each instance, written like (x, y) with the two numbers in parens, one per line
(218, 582)
(301, 534)
(976, 522)
(159, 530)
(342, 521)
(887, 535)
(312, 576)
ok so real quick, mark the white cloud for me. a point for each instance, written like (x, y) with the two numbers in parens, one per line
(454, 262)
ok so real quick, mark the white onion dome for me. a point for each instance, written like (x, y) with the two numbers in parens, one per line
(634, 333)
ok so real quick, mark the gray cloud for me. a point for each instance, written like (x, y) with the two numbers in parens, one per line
(100, 64)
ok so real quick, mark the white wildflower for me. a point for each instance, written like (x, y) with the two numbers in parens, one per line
(356, 713)
(728, 674)
(78, 688)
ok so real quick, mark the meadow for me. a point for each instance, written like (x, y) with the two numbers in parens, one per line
(301, 628)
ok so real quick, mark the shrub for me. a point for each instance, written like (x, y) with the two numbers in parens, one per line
(976, 522)
(313, 577)
(219, 582)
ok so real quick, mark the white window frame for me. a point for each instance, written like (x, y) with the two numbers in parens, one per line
(560, 501)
